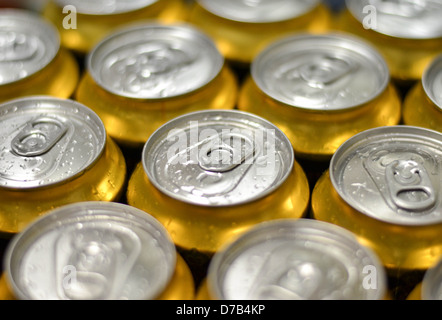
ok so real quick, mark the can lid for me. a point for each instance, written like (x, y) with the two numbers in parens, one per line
(218, 158)
(258, 11)
(392, 174)
(46, 140)
(321, 72)
(27, 44)
(153, 61)
(389, 17)
(432, 81)
(432, 282)
(91, 251)
(105, 7)
(297, 259)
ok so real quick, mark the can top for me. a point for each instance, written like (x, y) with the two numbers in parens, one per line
(296, 259)
(421, 18)
(91, 251)
(46, 140)
(105, 7)
(320, 72)
(27, 44)
(217, 158)
(392, 174)
(432, 81)
(432, 283)
(259, 11)
(153, 61)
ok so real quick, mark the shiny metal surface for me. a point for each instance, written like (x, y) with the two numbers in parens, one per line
(105, 7)
(432, 81)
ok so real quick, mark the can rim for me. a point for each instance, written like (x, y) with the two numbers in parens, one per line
(72, 103)
(55, 216)
(339, 38)
(432, 278)
(434, 68)
(231, 250)
(209, 7)
(171, 124)
(372, 135)
(147, 3)
(181, 28)
(48, 29)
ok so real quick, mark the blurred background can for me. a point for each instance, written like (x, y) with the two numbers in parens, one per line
(242, 28)
(423, 103)
(208, 176)
(384, 185)
(295, 259)
(320, 90)
(407, 33)
(142, 76)
(95, 251)
(82, 23)
(53, 152)
(430, 288)
(31, 59)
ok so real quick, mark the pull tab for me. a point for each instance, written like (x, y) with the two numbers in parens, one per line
(38, 137)
(221, 155)
(405, 8)
(410, 186)
(325, 71)
(16, 47)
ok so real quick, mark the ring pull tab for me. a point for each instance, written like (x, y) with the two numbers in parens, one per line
(410, 186)
(38, 137)
(16, 47)
(221, 155)
(404, 8)
(326, 70)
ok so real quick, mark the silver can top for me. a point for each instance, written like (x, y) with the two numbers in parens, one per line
(432, 283)
(392, 174)
(408, 19)
(153, 61)
(27, 44)
(259, 11)
(105, 7)
(46, 140)
(91, 251)
(217, 158)
(320, 72)
(298, 259)
(432, 81)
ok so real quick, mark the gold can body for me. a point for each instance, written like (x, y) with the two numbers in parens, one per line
(240, 41)
(316, 135)
(401, 248)
(131, 121)
(80, 31)
(103, 181)
(204, 228)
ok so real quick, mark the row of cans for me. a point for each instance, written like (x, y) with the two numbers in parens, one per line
(208, 176)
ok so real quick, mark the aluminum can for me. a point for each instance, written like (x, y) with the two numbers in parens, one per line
(141, 77)
(96, 251)
(83, 23)
(320, 90)
(295, 259)
(384, 185)
(207, 176)
(431, 286)
(242, 28)
(422, 105)
(407, 33)
(53, 152)
(31, 59)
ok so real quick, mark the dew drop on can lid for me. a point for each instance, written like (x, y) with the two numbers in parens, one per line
(400, 18)
(218, 158)
(46, 141)
(153, 61)
(91, 251)
(259, 11)
(392, 174)
(298, 259)
(27, 44)
(321, 72)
